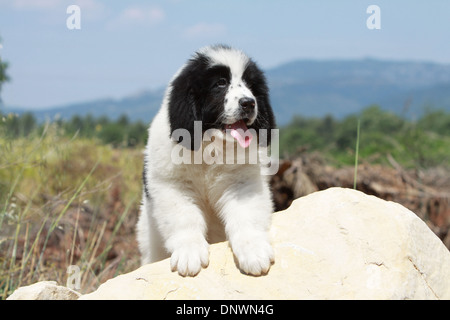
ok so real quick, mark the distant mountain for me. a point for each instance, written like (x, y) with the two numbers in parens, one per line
(311, 88)
(340, 87)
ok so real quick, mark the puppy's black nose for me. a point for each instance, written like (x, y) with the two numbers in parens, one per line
(247, 104)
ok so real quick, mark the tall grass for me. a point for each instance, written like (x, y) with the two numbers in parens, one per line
(356, 153)
(66, 201)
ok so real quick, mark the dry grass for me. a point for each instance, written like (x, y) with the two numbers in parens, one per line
(66, 202)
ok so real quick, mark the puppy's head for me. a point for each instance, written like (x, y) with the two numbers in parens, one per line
(225, 90)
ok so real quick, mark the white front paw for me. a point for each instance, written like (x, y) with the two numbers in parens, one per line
(254, 255)
(189, 258)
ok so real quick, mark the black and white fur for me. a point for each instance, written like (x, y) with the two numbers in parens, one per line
(187, 206)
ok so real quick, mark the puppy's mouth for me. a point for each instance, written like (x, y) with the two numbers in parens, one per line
(240, 132)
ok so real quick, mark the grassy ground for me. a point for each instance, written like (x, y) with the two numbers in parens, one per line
(66, 201)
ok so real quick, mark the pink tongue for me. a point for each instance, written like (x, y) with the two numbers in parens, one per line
(240, 133)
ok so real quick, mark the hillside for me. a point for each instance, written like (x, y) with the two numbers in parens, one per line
(311, 88)
(316, 88)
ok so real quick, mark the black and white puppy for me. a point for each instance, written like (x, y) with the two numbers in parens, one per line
(187, 204)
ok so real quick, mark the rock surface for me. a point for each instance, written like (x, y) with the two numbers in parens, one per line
(333, 244)
(44, 290)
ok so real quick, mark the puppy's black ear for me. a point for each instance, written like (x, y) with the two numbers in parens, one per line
(257, 83)
(182, 119)
(184, 108)
(265, 119)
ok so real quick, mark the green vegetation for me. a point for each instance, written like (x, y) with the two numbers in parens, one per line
(70, 190)
(66, 201)
(424, 142)
(421, 143)
(119, 133)
(69, 195)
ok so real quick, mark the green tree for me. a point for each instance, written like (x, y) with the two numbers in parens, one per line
(123, 120)
(437, 121)
(3, 76)
(113, 133)
(137, 134)
(27, 124)
(3, 66)
(16, 126)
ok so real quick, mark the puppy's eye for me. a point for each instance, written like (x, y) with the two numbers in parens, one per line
(222, 83)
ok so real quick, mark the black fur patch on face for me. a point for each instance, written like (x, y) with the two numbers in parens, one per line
(256, 81)
(198, 94)
(210, 95)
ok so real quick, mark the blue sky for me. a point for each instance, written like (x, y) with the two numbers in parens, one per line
(124, 47)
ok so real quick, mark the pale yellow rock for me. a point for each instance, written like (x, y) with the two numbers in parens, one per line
(44, 290)
(332, 244)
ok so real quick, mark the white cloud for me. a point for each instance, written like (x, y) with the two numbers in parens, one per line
(89, 4)
(35, 4)
(205, 30)
(91, 9)
(142, 15)
(54, 11)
